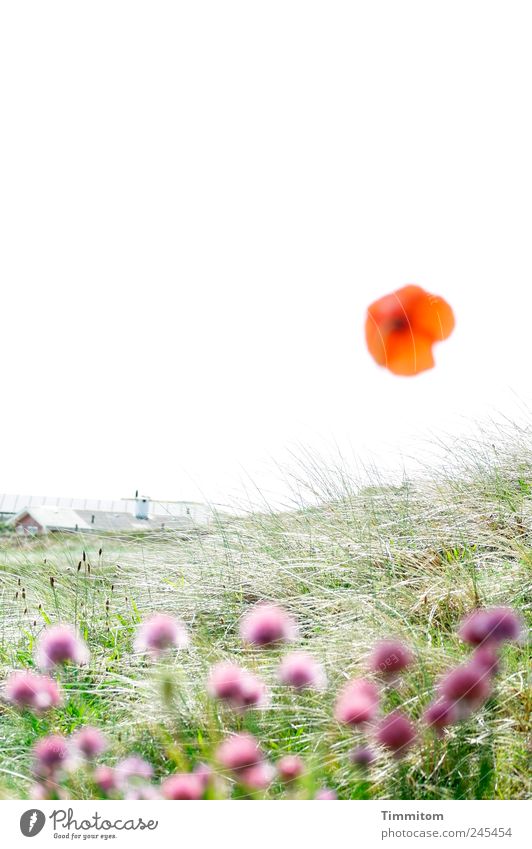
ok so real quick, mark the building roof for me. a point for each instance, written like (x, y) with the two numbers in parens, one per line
(64, 519)
(57, 518)
(16, 503)
(107, 520)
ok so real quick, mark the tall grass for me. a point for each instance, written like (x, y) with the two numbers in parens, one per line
(352, 564)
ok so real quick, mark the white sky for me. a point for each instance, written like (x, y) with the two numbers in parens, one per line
(198, 200)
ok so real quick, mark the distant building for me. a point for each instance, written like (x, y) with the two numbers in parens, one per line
(86, 515)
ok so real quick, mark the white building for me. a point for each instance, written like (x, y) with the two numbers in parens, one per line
(40, 515)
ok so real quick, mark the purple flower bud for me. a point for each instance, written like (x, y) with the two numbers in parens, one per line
(468, 684)
(396, 732)
(160, 632)
(267, 624)
(49, 754)
(440, 714)
(357, 702)
(60, 644)
(486, 657)
(389, 657)
(105, 778)
(491, 625)
(21, 688)
(252, 693)
(224, 681)
(257, 777)
(186, 785)
(300, 670)
(362, 756)
(38, 692)
(238, 687)
(48, 695)
(90, 742)
(290, 767)
(239, 751)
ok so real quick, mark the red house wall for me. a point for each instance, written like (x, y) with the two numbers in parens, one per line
(26, 523)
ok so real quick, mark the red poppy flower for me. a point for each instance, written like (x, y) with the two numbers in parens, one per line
(402, 327)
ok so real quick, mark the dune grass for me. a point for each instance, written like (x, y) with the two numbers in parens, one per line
(352, 565)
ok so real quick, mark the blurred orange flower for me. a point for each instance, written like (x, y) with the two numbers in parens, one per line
(402, 327)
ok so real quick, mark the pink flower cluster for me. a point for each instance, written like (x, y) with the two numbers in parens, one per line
(466, 687)
(359, 704)
(189, 786)
(30, 690)
(290, 767)
(89, 742)
(396, 732)
(159, 633)
(461, 691)
(492, 626)
(267, 624)
(264, 625)
(241, 755)
(50, 754)
(58, 645)
(300, 670)
(389, 658)
(55, 754)
(236, 686)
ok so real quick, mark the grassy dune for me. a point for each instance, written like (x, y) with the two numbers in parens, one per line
(409, 561)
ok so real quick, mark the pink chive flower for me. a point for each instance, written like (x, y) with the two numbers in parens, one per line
(440, 714)
(253, 693)
(50, 753)
(133, 768)
(60, 644)
(21, 688)
(468, 686)
(326, 795)
(48, 694)
(160, 632)
(491, 625)
(362, 756)
(300, 671)
(267, 624)
(224, 681)
(236, 686)
(90, 742)
(357, 702)
(239, 751)
(290, 767)
(105, 778)
(257, 777)
(38, 692)
(389, 658)
(487, 658)
(186, 785)
(396, 732)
